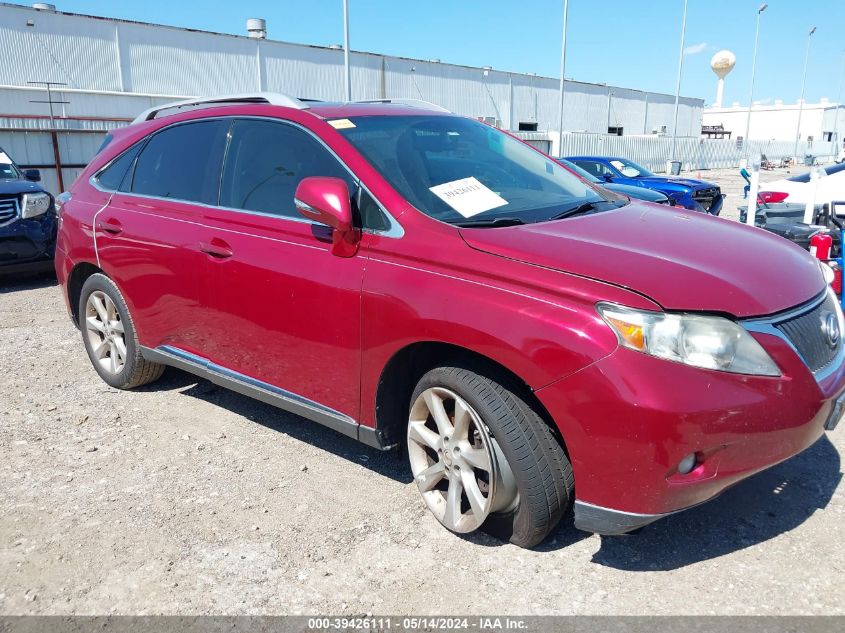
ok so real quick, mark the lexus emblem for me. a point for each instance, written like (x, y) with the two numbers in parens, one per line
(830, 327)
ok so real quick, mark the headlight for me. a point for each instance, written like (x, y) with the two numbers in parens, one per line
(708, 342)
(34, 204)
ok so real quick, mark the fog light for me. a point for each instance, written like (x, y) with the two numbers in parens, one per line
(687, 464)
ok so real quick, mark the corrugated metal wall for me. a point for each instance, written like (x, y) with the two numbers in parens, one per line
(156, 62)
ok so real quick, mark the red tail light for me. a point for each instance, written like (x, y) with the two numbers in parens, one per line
(769, 197)
(836, 284)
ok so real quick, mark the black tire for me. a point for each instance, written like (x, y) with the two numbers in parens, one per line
(542, 471)
(136, 370)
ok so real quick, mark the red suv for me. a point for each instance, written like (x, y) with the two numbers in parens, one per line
(403, 275)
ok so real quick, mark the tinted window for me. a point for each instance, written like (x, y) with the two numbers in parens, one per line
(183, 162)
(372, 217)
(265, 163)
(113, 175)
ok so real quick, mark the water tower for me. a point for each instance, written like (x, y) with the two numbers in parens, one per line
(722, 63)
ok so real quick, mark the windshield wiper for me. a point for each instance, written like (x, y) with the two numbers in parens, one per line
(585, 207)
(492, 222)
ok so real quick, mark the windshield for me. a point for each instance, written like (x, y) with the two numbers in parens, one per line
(454, 168)
(581, 172)
(629, 168)
(8, 171)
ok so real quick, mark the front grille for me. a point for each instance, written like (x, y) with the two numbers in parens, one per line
(8, 209)
(808, 334)
(707, 197)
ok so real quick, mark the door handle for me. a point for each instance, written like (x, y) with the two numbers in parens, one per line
(111, 226)
(216, 248)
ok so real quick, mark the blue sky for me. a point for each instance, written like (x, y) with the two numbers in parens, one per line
(629, 43)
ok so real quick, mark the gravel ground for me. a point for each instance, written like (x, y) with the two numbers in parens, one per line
(183, 498)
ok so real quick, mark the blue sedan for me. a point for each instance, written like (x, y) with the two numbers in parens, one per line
(697, 195)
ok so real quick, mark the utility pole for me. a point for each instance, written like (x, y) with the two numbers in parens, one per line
(803, 85)
(57, 159)
(49, 85)
(562, 73)
(760, 10)
(348, 76)
(678, 82)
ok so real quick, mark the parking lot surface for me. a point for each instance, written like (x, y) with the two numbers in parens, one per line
(182, 497)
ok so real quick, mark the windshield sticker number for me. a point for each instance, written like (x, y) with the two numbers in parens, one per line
(468, 197)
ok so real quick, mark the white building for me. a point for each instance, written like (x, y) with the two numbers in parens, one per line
(779, 122)
(111, 70)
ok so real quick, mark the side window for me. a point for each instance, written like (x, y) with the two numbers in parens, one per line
(183, 162)
(266, 161)
(112, 176)
(589, 166)
(372, 217)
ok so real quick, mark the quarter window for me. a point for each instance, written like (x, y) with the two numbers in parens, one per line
(113, 176)
(267, 160)
(183, 162)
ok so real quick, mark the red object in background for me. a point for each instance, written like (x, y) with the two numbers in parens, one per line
(820, 244)
(267, 298)
(770, 197)
(836, 284)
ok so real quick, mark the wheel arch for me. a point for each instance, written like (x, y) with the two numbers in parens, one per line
(407, 365)
(77, 278)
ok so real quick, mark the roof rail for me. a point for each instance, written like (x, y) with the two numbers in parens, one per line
(415, 103)
(270, 98)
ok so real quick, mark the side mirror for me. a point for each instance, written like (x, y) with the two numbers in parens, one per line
(326, 200)
(607, 177)
(32, 174)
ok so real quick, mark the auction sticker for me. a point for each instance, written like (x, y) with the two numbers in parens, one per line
(341, 124)
(468, 197)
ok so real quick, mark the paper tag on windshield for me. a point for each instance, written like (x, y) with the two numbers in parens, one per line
(4, 158)
(468, 197)
(341, 124)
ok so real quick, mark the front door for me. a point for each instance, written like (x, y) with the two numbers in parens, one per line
(284, 310)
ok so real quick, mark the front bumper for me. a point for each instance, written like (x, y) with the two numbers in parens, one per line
(629, 419)
(28, 245)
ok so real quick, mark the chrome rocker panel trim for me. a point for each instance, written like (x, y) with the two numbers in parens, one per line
(266, 393)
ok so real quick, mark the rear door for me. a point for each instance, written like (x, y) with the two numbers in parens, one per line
(286, 311)
(149, 237)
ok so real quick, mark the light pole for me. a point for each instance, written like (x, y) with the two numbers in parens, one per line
(347, 76)
(562, 71)
(753, 72)
(838, 106)
(803, 84)
(678, 82)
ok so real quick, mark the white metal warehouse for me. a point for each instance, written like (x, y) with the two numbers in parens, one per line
(113, 69)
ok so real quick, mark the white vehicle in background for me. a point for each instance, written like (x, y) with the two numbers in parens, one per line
(798, 189)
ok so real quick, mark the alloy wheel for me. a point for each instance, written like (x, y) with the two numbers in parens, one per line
(105, 332)
(458, 466)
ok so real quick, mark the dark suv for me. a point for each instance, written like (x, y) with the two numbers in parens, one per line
(27, 220)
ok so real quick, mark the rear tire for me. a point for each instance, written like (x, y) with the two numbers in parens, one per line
(108, 333)
(529, 483)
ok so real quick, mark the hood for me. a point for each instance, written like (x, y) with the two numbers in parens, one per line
(15, 186)
(641, 193)
(689, 183)
(681, 259)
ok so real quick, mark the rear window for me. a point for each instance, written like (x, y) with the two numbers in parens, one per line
(182, 162)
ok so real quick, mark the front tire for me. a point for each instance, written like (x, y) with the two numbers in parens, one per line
(482, 458)
(109, 336)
